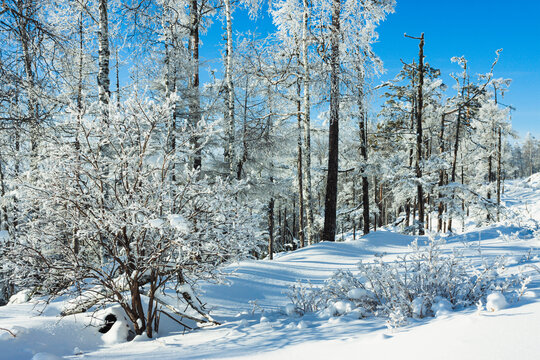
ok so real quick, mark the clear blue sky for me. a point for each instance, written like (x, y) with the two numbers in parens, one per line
(473, 28)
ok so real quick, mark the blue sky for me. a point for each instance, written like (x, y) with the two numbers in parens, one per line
(473, 28)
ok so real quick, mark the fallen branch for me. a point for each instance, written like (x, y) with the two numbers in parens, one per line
(9, 331)
(181, 314)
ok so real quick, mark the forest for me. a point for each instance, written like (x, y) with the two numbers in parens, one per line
(136, 160)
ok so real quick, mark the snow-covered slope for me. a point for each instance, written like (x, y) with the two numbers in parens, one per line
(255, 324)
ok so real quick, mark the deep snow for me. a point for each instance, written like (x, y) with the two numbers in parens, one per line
(258, 324)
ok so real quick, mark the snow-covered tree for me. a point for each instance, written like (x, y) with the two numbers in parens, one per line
(116, 228)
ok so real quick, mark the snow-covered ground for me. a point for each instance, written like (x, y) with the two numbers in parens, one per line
(252, 308)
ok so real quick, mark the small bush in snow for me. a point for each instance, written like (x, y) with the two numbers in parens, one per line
(423, 283)
(304, 297)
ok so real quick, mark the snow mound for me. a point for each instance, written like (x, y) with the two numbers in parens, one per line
(534, 180)
(441, 307)
(290, 310)
(343, 307)
(119, 331)
(359, 293)
(496, 302)
(20, 298)
(419, 307)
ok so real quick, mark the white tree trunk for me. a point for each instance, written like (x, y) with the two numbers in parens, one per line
(229, 93)
(103, 81)
(307, 127)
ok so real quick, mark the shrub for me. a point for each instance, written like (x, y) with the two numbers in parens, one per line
(417, 284)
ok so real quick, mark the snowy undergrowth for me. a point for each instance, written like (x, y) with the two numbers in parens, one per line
(425, 282)
(251, 305)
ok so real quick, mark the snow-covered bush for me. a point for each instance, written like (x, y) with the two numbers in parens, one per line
(423, 283)
(117, 214)
(304, 297)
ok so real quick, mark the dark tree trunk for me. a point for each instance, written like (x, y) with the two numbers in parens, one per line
(363, 153)
(195, 106)
(419, 136)
(490, 180)
(376, 201)
(441, 179)
(499, 170)
(244, 157)
(330, 203)
(271, 229)
(380, 205)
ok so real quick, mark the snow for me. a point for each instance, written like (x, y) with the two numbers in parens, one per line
(419, 307)
(117, 334)
(156, 223)
(496, 302)
(178, 222)
(359, 293)
(259, 321)
(441, 307)
(290, 310)
(4, 236)
(20, 297)
(343, 307)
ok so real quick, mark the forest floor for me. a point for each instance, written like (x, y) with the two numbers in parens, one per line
(252, 307)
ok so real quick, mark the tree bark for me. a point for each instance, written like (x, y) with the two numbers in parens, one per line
(419, 103)
(242, 160)
(330, 204)
(499, 170)
(364, 154)
(307, 126)
(25, 10)
(104, 53)
(440, 208)
(195, 105)
(300, 171)
(229, 91)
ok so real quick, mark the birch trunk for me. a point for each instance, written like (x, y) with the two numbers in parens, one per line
(229, 92)
(300, 171)
(307, 127)
(103, 81)
(25, 9)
